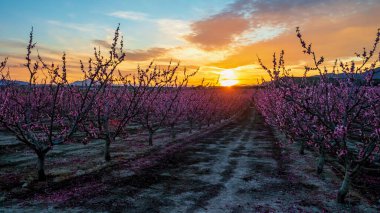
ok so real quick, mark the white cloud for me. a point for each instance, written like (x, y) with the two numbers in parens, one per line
(129, 15)
(259, 34)
(174, 27)
(74, 26)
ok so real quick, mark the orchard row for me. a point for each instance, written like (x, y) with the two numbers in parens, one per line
(339, 117)
(48, 111)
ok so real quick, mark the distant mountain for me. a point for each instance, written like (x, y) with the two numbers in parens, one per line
(361, 76)
(83, 83)
(23, 83)
(20, 83)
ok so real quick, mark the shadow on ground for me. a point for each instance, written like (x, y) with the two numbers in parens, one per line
(238, 168)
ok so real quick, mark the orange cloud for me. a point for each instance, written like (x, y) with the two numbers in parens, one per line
(218, 31)
(136, 55)
(143, 55)
(101, 43)
(332, 35)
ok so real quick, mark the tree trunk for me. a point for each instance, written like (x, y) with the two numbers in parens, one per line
(107, 155)
(150, 138)
(41, 166)
(173, 133)
(302, 148)
(344, 188)
(321, 162)
(191, 127)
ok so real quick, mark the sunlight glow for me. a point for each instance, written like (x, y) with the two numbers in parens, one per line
(228, 83)
(228, 78)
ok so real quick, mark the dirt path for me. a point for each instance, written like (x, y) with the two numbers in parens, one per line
(239, 168)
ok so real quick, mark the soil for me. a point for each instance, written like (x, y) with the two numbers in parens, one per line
(239, 167)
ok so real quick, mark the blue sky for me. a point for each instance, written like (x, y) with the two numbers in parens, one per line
(58, 21)
(215, 35)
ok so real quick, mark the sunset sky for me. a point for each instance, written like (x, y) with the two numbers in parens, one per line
(219, 36)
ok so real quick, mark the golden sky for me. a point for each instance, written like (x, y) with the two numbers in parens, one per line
(218, 37)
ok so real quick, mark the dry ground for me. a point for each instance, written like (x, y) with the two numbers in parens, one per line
(237, 168)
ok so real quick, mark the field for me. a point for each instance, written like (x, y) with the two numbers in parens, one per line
(237, 167)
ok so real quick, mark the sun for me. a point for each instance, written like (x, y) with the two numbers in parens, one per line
(228, 78)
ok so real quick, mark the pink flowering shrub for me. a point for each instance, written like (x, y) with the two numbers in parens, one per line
(336, 116)
(48, 110)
